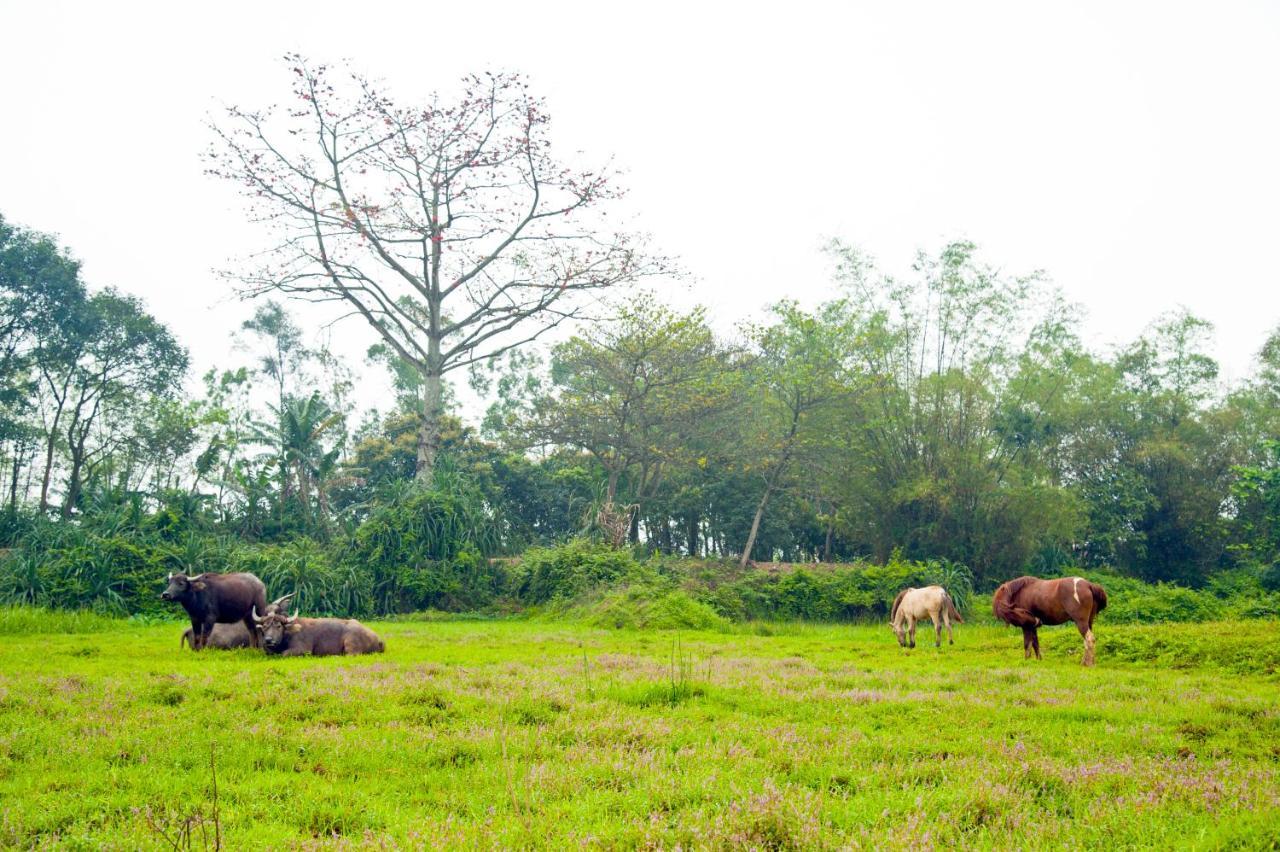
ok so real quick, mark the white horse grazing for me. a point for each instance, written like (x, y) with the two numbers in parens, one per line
(913, 604)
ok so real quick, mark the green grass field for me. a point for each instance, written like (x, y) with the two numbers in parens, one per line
(528, 734)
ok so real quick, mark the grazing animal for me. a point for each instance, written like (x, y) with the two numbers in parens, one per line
(224, 637)
(217, 599)
(1029, 602)
(913, 604)
(291, 636)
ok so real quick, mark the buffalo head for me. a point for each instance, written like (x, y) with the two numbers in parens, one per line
(180, 585)
(274, 627)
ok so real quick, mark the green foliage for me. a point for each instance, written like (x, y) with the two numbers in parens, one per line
(643, 602)
(307, 569)
(856, 592)
(1270, 577)
(111, 571)
(428, 547)
(1233, 594)
(568, 570)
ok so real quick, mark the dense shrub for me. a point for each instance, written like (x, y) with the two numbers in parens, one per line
(644, 605)
(73, 567)
(827, 592)
(569, 570)
(431, 548)
(427, 548)
(1270, 577)
(307, 569)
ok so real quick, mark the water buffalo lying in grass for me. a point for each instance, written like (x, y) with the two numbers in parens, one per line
(224, 637)
(217, 599)
(291, 636)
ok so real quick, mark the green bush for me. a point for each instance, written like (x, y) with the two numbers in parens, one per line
(856, 592)
(306, 569)
(644, 605)
(427, 548)
(569, 570)
(69, 566)
(1270, 577)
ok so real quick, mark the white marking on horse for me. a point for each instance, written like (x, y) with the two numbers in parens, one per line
(1075, 588)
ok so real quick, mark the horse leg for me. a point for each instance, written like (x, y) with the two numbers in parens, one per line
(1086, 631)
(1035, 642)
(937, 629)
(946, 617)
(1027, 633)
(911, 620)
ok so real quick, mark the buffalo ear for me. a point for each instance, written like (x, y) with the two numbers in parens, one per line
(199, 585)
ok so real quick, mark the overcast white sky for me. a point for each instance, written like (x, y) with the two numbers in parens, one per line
(1131, 150)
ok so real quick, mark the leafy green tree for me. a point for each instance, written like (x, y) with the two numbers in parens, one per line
(108, 356)
(800, 375)
(633, 393)
(1183, 449)
(1257, 489)
(946, 454)
(41, 295)
(310, 435)
(283, 356)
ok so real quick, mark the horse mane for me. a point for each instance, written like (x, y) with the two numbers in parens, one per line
(1002, 602)
(893, 610)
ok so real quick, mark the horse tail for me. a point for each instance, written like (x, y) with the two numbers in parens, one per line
(1099, 596)
(893, 610)
(951, 609)
(1002, 602)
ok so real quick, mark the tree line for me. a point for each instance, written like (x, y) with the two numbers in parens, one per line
(952, 415)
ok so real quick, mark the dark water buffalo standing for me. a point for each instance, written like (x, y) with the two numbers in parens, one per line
(291, 636)
(225, 637)
(1029, 602)
(217, 599)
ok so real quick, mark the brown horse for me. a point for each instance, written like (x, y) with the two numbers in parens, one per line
(1029, 602)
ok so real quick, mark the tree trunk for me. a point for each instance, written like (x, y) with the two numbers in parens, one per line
(429, 431)
(826, 547)
(13, 481)
(755, 526)
(48, 469)
(692, 533)
(433, 376)
(73, 481)
(611, 492)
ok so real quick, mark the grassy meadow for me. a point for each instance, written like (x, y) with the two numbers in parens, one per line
(550, 735)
